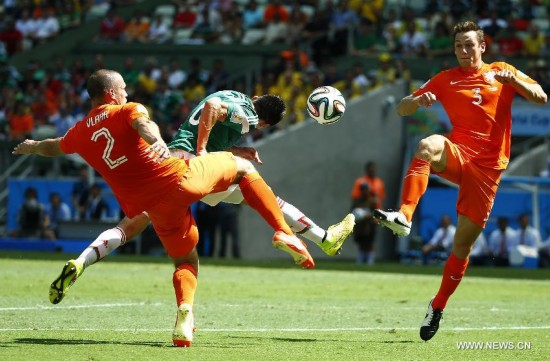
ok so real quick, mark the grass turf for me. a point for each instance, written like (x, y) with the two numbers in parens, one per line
(124, 309)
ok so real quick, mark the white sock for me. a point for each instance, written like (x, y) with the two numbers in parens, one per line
(301, 224)
(104, 244)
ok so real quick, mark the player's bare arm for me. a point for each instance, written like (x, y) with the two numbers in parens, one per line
(214, 111)
(531, 92)
(409, 104)
(246, 153)
(46, 148)
(149, 131)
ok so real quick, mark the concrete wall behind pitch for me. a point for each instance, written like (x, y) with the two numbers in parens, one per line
(313, 167)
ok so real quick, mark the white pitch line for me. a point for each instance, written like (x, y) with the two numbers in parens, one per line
(31, 308)
(48, 308)
(353, 329)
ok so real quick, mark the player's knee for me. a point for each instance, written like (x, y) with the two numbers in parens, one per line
(462, 250)
(428, 148)
(132, 227)
(192, 258)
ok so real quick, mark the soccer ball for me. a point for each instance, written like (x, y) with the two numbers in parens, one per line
(326, 105)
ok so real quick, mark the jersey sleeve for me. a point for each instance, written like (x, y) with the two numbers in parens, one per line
(69, 141)
(432, 85)
(135, 111)
(519, 74)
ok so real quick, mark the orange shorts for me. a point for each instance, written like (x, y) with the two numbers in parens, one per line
(171, 216)
(477, 185)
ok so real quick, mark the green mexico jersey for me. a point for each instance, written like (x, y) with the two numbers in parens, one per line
(241, 118)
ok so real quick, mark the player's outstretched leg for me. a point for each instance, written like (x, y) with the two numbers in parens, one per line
(59, 287)
(330, 241)
(184, 327)
(104, 244)
(394, 220)
(100, 248)
(260, 197)
(295, 247)
(430, 324)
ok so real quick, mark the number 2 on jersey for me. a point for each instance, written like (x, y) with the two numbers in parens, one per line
(108, 148)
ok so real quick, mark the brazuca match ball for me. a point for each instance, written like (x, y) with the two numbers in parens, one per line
(326, 105)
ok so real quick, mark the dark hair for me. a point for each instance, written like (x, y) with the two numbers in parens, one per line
(369, 164)
(270, 108)
(502, 219)
(31, 192)
(99, 82)
(465, 26)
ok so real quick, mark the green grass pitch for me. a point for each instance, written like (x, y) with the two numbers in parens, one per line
(124, 308)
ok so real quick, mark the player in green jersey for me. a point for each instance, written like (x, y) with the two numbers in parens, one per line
(217, 123)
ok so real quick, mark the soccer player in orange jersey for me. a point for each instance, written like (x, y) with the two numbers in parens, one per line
(477, 98)
(217, 123)
(120, 142)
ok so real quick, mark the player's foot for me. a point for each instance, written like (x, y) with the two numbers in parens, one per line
(184, 327)
(70, 272)
(337, 234)
(295, 247)
(396, 221)
(430, 325)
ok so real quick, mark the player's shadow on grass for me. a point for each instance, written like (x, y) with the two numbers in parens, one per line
(56, 341)
(310, 340)
(284, 339)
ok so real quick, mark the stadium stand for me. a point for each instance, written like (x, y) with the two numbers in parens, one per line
(252, 66)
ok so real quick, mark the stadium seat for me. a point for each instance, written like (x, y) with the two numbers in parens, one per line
(423, 24)
(165, 10)
(543, 24)
(182, 36)
(253, 36)
(97, 11)
(539, 12)
(308, 10)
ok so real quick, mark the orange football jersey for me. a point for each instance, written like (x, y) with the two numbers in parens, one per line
(106, 140)
(479, 108)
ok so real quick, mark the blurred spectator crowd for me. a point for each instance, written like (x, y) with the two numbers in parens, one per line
(504, 246)
(46, 101)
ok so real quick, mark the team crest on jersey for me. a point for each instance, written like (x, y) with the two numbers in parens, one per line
(237, 118)
(489, 77)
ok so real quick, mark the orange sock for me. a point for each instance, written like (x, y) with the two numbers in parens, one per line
(452, 275)
(185, 284)
(259, 196)
(414, 186)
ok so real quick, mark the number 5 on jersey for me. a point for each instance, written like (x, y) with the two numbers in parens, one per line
(477, 96)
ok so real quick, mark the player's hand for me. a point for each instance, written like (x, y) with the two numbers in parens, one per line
(248, 153)
(505, 77)
(159, 151)
(426, 99)
(25, 147)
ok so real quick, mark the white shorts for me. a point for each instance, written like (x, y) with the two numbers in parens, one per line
(232, 195)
